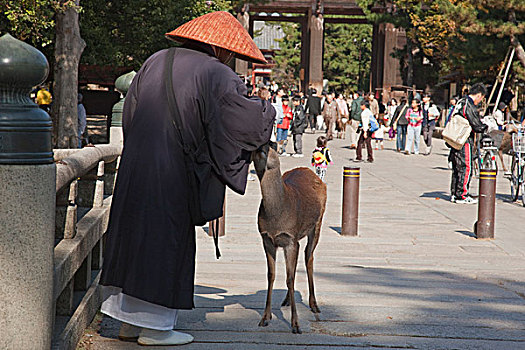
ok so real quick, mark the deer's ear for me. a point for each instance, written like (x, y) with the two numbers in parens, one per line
(273, 145)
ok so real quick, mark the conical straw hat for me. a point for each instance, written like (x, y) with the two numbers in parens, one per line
(220, 29)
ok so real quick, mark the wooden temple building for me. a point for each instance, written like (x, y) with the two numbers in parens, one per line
(312, 15)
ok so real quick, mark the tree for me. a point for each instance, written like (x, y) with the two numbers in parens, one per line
(28, 20)
(68, 49)
(343, 58)
(503, 20)
(429, 29)
(347, 56)
(126, 33)
(121, 33)
(288, 57)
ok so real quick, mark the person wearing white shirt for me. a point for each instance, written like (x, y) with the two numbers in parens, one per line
(366, 136)
(499, 115)
(430, 115)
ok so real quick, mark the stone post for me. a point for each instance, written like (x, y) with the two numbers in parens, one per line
(27, 201)
(122, 85)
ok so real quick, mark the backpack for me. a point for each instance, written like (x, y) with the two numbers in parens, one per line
(374, 125)
(320, 157)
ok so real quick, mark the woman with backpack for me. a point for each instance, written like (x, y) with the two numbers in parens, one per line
(415, 121)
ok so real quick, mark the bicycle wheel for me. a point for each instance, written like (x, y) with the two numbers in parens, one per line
(522, 185)
(488, 162)
(514, 179)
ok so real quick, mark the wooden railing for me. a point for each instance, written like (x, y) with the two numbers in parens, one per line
(84, 186)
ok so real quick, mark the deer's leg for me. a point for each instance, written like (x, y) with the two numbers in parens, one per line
(313, 239)
(290, 254)
(500, 154)
(269, 248)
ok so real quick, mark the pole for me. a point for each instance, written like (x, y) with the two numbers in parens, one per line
(359, 80)
(27, 201)
(487, 204)
(504, 80)
(350, 201)
(493, 90)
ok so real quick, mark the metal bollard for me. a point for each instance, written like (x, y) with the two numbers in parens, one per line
(350, 201)
(484, 227)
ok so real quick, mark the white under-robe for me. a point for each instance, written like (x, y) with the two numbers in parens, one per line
(135, 311)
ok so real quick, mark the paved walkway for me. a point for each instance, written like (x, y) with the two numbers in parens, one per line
(414, 278)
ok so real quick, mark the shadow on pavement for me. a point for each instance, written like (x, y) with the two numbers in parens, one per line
(504, 197)
(436, 194)
(423, 303)
(337, 229)
(467, 233)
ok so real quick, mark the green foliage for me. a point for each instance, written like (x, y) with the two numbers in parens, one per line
(488, 26)
(469, 36)
(347, 56)
(341, 55)
(28, 20)
(126, 33)
(288, 58)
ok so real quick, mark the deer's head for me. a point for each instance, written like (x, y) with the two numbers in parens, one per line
(265, 158)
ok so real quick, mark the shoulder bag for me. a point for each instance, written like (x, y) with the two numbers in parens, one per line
(457, 130)
(197, 217)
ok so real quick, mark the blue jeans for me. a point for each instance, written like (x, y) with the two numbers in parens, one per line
(282, 134)
(413, 136)
(401, 137)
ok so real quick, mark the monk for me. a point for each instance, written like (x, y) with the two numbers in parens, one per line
(149, 263)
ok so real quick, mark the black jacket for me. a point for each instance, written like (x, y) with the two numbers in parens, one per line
(314, 105)
(355, 109)
(400, 117)
(299, 120)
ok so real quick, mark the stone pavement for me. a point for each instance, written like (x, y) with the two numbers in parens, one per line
(414, 278)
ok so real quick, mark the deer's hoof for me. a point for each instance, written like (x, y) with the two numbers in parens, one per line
(263, 323)
(296, 330)
(286, 302)
(315, 309)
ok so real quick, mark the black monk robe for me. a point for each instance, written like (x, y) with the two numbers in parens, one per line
(150, 246)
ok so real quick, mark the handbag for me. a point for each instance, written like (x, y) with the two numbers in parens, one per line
(457, 130)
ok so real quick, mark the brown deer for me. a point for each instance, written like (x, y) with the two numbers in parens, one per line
(292, 207)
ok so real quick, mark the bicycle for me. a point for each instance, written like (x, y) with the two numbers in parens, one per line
(487, 154)
(517, 167)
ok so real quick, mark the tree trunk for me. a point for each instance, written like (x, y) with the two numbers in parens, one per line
(68, 49)
(520, 53)
(410, 63)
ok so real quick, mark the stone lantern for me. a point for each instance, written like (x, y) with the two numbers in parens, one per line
(27, 201)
